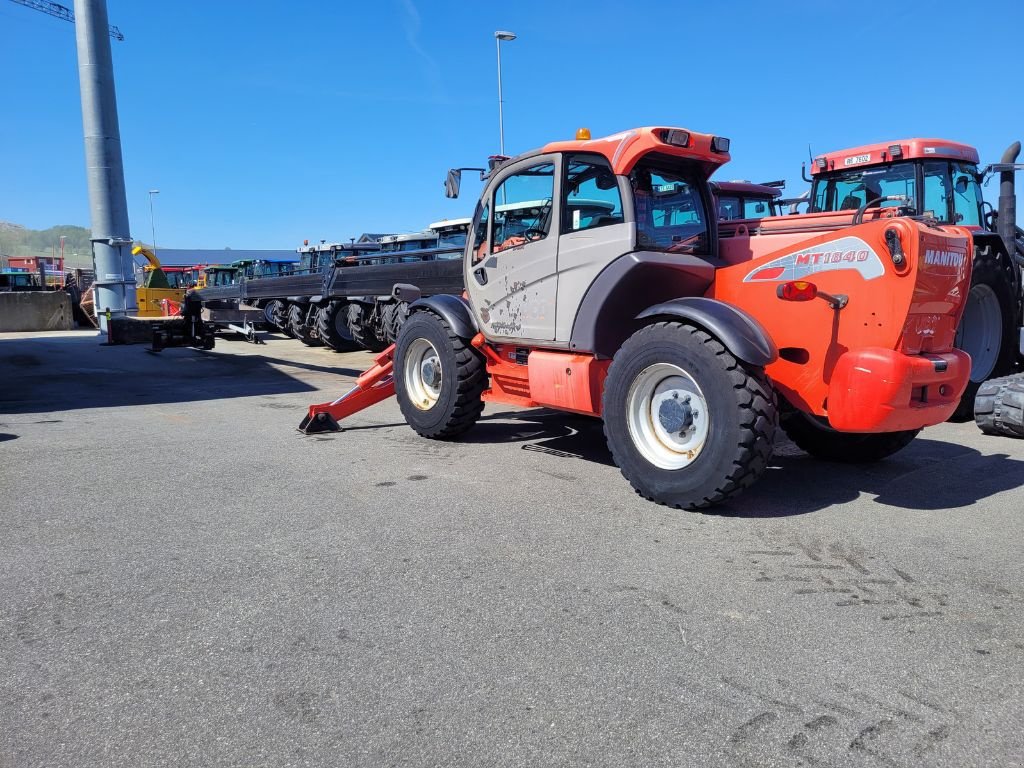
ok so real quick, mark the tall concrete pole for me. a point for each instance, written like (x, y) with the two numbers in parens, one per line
(111, 241)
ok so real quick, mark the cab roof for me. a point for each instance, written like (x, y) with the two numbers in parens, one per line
(623, 149)
(746, 188)
(883, 152)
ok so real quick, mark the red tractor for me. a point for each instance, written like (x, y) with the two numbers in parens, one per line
(940, 180)
(598, 283)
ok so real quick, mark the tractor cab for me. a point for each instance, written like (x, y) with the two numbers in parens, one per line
(219, 274)
(743, 200)
(930, 177)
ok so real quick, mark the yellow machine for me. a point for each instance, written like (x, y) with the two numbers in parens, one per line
(158, 284)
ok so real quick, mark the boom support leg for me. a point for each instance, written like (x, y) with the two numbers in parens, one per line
(375, 384)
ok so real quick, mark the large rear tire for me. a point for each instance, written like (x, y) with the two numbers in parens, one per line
(300, 329)
(394, 316)
(361, 327)
(999, 406)
(280, 318)
(845, 447)
(688, 424)
(438, 378)
(332, 327)
(987, 330)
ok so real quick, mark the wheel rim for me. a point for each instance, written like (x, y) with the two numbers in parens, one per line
(423, 374)
(667, 416)
(980, 334)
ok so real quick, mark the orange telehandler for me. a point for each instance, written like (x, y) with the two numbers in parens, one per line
(691, 346)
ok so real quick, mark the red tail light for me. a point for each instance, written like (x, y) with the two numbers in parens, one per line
(797, 290)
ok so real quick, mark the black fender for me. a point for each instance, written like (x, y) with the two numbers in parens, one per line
(739, 332)
(454, 310)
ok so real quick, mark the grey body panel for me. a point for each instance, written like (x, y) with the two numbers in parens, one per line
(741, 334)
(608, 313)
(582, 256)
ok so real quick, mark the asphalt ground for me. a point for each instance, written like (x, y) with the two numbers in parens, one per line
(186, 580)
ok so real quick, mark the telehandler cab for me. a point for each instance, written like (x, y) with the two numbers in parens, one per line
(690, 346)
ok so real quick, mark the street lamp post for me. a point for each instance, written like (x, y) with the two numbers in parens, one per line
(152, 221)
(498, 37)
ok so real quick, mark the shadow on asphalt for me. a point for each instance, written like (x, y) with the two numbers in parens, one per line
(929, 474)
(43, 374)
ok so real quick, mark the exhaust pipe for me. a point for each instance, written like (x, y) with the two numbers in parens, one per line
(1006, 224)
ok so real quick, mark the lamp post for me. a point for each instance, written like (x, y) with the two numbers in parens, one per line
(498, 37)
(152, 221)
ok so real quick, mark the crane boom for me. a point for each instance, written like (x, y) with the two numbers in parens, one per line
(61, 12)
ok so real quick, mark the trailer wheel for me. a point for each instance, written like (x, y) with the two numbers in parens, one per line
(362, 330)
(999, 406)
(844, 447)
(987, 329)
(280, 318)
(687, 424)
(300, 329)
(438, 378)
(332, 327)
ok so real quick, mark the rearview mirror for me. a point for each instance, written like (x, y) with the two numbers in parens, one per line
(452, 183)
(961, 184)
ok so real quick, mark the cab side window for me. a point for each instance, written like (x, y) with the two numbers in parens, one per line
(522, 207)
(936, 190)
(729, 208)
(967, 200)
(591, 195)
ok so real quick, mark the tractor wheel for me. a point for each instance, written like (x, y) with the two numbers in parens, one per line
(999, 406)
(300, 329)
(824, 443)
(394, 316)
(270, 311)
(280, 318)
(362, 330)
(332, 327)
(687, 423)
(438, 378)
(987, 330)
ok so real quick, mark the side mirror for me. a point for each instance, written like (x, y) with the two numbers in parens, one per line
(960, 185)
(452, 183)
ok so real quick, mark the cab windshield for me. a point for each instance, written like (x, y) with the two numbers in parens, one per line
(669, 207)
(947, 191)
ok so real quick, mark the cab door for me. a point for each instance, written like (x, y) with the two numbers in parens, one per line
(511, 273)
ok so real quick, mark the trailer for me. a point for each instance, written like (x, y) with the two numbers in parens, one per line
(346, 296)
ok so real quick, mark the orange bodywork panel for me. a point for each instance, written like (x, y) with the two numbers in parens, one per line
(884, 361)
(566, 381)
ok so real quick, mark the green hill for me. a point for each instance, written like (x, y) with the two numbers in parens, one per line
(16, 240)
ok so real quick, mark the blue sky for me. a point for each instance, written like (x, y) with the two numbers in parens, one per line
(263, 123)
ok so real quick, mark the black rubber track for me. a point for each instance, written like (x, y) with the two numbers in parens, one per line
(992, 267)
(362, 330)
(298, 327)
(999, 406)
(332, 327)
(844, 447)
(743, 417)
(463, 379)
